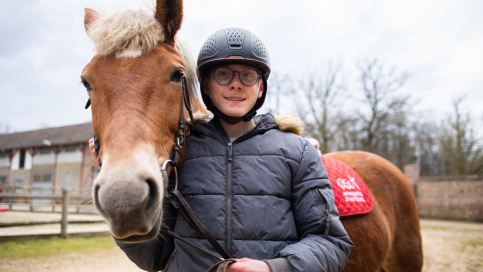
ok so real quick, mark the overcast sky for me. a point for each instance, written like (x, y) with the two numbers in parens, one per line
(43, 47)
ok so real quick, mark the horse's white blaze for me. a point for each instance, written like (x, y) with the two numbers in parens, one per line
(128, 53)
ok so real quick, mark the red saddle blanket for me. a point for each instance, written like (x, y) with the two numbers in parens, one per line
(351, 193)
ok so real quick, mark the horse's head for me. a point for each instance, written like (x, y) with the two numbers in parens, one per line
(134, 84)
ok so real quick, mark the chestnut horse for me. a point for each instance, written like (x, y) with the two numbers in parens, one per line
(135, 84)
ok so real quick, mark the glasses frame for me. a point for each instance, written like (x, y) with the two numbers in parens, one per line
(259, 74)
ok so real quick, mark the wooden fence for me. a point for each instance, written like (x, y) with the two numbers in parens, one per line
(27, 195)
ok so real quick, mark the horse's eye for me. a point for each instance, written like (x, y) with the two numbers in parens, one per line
(86, 84)
(177, 76)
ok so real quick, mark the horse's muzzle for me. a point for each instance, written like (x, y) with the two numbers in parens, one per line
(130, 199)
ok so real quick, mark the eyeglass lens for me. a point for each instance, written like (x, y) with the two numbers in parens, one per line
(224, 76)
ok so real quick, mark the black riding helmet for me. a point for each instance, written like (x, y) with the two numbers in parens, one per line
(233, 45)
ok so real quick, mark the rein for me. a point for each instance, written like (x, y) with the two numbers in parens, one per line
(174, 194)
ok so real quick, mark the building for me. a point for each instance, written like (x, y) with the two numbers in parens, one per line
(49, 158)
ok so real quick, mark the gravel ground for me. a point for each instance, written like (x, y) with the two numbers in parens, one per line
(448, 246)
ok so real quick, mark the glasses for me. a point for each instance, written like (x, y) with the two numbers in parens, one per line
(248, 77)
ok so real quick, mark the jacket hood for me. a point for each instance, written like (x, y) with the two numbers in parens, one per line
(289, 123)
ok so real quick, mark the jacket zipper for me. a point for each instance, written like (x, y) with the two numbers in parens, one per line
(228, 197)
(325, 212)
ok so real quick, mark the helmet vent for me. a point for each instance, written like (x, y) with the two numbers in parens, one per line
(235, 37)
(259, 49)
(209, 48)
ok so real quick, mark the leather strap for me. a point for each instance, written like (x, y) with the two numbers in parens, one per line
(179, 202)
(166, 230)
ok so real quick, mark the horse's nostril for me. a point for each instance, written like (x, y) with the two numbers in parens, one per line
(153, 196)
(97, 203)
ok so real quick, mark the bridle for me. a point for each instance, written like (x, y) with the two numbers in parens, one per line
(175, 196)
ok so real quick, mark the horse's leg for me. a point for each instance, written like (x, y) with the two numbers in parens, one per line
(406, 253)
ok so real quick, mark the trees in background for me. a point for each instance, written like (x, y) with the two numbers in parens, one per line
(383, 112)
(460, 151)
(369, 112)
(317, 96)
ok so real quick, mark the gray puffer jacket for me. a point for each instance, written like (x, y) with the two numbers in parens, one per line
(264, 196)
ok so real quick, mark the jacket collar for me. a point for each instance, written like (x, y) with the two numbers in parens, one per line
(213, 128)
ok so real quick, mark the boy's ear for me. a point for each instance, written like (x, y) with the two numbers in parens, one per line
(205, 88)
(260, 89)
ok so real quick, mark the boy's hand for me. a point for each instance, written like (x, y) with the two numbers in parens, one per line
(248, 265)
(93, 153)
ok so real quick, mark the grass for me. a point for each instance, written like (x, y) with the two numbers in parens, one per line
(52, 246)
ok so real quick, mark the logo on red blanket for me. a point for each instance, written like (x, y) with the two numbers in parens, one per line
(350, 184)
(351, 193)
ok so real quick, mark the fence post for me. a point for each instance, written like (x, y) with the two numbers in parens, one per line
(65, 213)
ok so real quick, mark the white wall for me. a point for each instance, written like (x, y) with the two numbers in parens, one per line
(62, 157)
(44, 158)
(4, 162)
(69, 157)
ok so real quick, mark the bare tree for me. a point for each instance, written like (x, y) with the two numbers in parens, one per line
(460, 149)
(383, 113)
(426, 147)
(278, 91)
(347, 133)
(316, 97)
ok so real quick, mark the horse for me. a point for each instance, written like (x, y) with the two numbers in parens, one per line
(136, 88)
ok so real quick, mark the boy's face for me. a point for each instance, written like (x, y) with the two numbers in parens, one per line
(233, 99)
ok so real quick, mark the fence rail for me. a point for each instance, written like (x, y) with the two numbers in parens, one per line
(39, 190)
(64, 200)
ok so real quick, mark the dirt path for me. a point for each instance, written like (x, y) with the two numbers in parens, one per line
(448, 246)
(452, 246)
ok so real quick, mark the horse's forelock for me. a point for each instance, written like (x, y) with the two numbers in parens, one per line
(137, 31)
(125, 30)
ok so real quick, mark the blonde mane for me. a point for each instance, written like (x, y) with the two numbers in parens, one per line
(125, 30)
(138, 30)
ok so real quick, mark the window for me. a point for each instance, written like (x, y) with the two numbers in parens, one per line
(67, 179)
(21, 163)
(19, 181)
(43, 177)
(70, 148)
(3, 180)
(3, 155)
(45, 150)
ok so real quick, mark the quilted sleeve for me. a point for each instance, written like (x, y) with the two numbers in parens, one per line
(324, 244)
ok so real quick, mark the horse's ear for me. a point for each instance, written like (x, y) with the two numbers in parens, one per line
(90, 17)
(170, 14)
